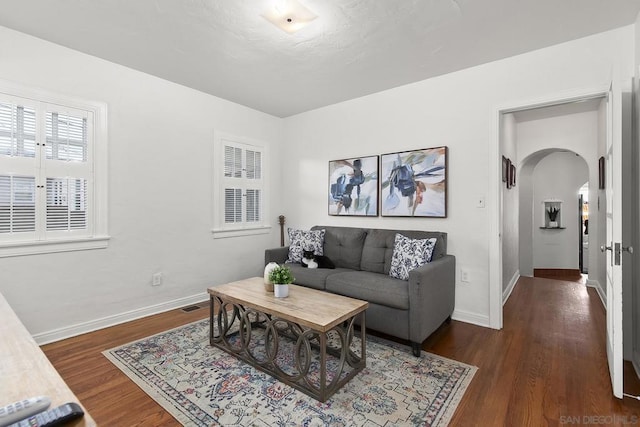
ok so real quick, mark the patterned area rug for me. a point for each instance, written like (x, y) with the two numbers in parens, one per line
(204, 386)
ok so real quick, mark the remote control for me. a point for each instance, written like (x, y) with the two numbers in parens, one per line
(20, 410)
(53, 417)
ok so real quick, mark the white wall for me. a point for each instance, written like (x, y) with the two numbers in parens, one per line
(510, 206)
(458, 110)
(557, 176)
(160, 205)
(527, 213)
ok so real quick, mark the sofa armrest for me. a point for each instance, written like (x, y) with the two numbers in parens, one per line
(431, 296)
(278, 255)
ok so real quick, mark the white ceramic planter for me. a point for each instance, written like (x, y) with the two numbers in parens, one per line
(280, 291)
(268, 286)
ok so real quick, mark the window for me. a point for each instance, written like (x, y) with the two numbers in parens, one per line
(52, 173)
(239, 186)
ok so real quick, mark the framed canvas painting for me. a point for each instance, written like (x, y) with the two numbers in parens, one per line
(353, 186)
(414, 183)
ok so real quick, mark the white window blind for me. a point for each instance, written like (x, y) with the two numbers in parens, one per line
(239, 192)
(48, 174)
(242, 184)
(254, 164)
(254, 203)
(66, 204)
(232, 162)
(17, 204)
(66, 137)
(233, 205)
(253, 195)
(17, 130)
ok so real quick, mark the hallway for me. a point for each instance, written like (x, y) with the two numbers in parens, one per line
(548, 366)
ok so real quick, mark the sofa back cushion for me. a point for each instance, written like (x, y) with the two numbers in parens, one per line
(343, 245)
(378, 247)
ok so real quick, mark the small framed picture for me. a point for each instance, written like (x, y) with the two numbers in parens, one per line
(512, 175)
(505, 169)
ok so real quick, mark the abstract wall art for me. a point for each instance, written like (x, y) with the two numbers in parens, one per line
(414, 183)
(353, 186)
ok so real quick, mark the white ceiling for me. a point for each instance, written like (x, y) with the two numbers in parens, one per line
(354, 47)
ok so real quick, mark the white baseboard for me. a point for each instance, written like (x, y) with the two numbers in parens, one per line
(116, 319)
(512, 284)
(596, 285)
(473, 318)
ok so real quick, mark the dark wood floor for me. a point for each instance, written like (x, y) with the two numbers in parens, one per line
(547, 366)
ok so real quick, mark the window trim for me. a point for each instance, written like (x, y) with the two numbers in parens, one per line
(100, 237)
(220, 230)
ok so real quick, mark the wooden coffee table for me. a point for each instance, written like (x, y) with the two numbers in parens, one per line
(303, 340)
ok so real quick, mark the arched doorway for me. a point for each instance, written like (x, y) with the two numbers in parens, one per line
(549, 224)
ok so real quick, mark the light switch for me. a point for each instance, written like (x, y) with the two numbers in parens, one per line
(480, 202)
(464, 276)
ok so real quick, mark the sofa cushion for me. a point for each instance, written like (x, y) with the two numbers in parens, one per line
(378, 247)
(343, 245)
(409, 254)
(312, 277)
(374, 252)
(440, 248)
(372, 287)
(300, 240)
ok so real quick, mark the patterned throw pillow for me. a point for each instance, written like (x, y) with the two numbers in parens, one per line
(300, 240)
(409, 254)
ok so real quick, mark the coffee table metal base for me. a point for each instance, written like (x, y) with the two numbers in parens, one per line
(257, 338)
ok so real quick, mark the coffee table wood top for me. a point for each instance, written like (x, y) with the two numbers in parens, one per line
(315, 309)
(25, 371)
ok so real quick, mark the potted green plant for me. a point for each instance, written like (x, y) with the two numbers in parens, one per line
(553, 212)
(281, 277)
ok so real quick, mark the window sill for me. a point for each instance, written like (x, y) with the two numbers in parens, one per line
(52, 246)
(221, 233)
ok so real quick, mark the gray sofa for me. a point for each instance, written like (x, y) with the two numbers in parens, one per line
(409, 310)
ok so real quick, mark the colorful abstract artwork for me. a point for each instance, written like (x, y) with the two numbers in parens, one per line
(353, 186)
(414, 183)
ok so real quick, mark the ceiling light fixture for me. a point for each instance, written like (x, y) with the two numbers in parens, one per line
(289, 15)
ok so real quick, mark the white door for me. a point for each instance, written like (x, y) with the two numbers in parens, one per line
(613, 189)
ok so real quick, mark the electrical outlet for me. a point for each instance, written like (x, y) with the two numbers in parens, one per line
(156, 279)
(464, 276)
